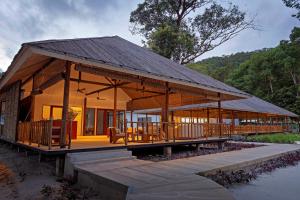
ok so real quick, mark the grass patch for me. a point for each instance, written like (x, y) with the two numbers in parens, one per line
(287, 138)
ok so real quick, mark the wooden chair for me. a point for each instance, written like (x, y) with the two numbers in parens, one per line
(115, 134)
(154, 132)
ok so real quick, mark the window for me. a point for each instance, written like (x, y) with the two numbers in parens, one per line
(52, 111)
(46, 112)
(90, 121)
(2, 116)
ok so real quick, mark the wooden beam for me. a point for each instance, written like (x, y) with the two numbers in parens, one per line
(207, 119)
(65, 105)
(165, 111)
(84, 114)
(100, 90)
(109, 80)
(107, 88)
(147, 97)
(115, 106)
(144, 81)
(219, 116)
(107, 73)
(89, 82)
(53, 80)
(141, 90)
(49, 62)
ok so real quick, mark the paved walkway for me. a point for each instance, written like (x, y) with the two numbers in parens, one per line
(173, 179)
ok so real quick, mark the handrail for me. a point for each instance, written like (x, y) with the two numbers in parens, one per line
(41, 132)
(44, 132)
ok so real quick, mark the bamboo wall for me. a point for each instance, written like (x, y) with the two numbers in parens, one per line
(11, 98)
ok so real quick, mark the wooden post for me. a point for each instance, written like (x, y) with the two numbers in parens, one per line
(131, 125)
(65, 105)
(173, 125)
(219, 116)
(165, 112)
(207, 119)
(232, 122)
(191, 123)
(125, 128)
(115, 106)
(84, 115)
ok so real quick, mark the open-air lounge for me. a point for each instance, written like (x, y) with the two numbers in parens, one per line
(86, 93)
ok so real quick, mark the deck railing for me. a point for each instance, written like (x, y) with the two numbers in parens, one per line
(43, 132)
(47, 132)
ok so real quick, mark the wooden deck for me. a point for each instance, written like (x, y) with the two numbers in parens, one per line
(102, 143)
(173, 179)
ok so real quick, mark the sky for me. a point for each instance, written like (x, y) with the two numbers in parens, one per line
(31, 20)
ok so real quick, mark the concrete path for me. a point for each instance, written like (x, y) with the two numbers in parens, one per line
(175, 179)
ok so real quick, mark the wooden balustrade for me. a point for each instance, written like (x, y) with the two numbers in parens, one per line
(44, 132)
(47, 132)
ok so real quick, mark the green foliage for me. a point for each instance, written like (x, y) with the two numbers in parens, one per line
(220, 67)
(293, 4)
(271, 74)
(288, 138)
(182, 30)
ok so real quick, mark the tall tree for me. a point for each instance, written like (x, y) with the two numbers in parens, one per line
(293, 4)
(182, 30)
(271, 74)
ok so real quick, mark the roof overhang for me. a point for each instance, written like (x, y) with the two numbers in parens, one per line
(26, 51)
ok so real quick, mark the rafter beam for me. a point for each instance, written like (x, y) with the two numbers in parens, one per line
(141, 90)
(49, 62)
(107, 88)
(147, 97)
(51, 81)
(89, 82)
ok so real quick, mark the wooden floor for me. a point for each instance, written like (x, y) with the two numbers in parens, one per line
(175, 179)
(102, 143)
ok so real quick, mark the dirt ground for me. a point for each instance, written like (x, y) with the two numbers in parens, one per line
(23, 177)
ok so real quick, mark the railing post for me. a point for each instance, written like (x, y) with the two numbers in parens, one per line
(70, 133)
(173, 123)
(125, 130)
(152, 131)
(50, 134)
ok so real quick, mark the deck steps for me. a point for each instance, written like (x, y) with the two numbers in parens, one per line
(94, 158)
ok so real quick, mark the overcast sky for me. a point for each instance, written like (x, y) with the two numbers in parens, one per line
(28, 20)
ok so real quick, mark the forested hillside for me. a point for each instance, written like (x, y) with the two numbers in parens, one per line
(271, 74)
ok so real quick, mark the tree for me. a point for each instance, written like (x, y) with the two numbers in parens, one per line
(293, 4)
(271, 74)
(182, 30)
(291, 61)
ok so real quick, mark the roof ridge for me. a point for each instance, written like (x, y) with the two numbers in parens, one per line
(65, 40)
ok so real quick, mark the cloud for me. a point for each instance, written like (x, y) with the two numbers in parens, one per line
(30, 20)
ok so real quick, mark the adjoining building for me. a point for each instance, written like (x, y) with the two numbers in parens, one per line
(245, 116)
(75, 93)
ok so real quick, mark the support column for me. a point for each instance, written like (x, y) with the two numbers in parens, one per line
(131, 125)
(60, 165)
(165, 112)
(219, 116)
(168, 151)
(65, 105)
(115, 106)
(207, 121)
(232, 122)
(84, 115)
